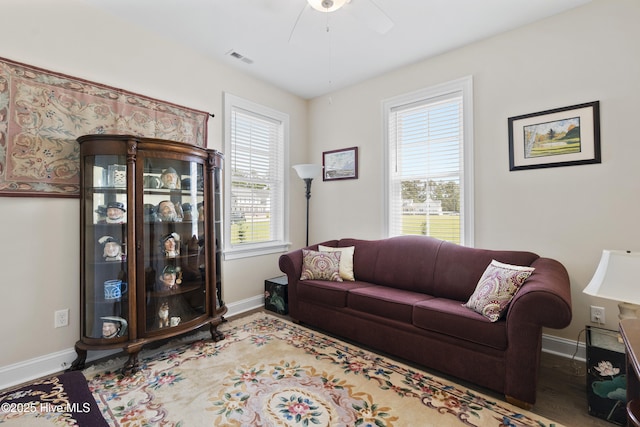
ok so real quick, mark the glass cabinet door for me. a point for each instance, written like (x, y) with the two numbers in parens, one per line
(173, 239)
(106, 298)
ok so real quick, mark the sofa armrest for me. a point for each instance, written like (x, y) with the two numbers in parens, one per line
(290, 264)
(544, 299)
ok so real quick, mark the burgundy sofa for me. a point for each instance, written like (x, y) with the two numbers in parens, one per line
(407, 301)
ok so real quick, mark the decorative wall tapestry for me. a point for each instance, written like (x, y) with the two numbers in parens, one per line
(42, 113)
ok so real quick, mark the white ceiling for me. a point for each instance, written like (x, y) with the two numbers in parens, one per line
(312, 61)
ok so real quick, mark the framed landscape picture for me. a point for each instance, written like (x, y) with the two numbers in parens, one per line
(340, 164)
(562, 137)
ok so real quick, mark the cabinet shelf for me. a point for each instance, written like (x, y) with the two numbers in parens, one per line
(180, 289)
(168, 192)
(105, 189)
(143, 227)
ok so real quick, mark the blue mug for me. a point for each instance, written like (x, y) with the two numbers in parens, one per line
(113, 289)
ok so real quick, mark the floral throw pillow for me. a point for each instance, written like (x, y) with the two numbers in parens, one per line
(320, 266)
(496, 288)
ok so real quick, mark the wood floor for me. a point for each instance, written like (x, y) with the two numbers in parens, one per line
(562, 393)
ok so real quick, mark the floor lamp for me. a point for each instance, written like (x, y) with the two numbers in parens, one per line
(307, 172)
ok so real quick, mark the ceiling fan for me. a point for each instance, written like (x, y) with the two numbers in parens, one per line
(365, 11)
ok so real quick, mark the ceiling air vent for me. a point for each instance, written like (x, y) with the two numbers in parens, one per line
(240, 56)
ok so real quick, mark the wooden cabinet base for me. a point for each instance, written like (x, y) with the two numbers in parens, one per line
(132, 366)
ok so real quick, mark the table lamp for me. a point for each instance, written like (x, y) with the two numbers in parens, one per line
(616, 278)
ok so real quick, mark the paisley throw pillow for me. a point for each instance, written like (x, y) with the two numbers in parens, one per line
(320, 266)
(496, 288)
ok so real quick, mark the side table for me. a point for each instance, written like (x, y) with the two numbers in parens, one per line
(276, 295)
(606, 380)
(630, 331)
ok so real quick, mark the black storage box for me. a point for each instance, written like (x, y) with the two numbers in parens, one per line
(276, 295)
(606, 375)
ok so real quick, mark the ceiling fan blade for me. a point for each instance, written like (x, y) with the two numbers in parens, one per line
(293, 34)
(369, 13)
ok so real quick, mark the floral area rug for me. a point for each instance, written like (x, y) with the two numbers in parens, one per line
(62, 400)
(271, 372)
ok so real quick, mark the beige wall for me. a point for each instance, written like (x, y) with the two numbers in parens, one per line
(40, 266)
(568, 213)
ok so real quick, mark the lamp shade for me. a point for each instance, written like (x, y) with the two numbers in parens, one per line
(308, 171)
(617, 277)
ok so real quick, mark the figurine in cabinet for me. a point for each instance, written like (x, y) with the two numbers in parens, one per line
(113, 326)
(170, 245)
(150, 181)
(115, 213)
(167, 211)
(200, 211)
(179, 211)
(187, 212)
(149, 212)
(186, 184)
(111, 249)
(170, 278)
(169, 179)
(163, 315)
(102, 213)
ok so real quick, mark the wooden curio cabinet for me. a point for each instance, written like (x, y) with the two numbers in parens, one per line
(150, 231)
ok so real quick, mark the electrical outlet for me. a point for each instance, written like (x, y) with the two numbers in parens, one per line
(597, 314)
(61, 318)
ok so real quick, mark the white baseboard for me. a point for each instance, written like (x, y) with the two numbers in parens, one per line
(245, 305)
(31, 369)
(564, 347)
(28, 370)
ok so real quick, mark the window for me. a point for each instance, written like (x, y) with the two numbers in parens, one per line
(429, 160)
(255, 147)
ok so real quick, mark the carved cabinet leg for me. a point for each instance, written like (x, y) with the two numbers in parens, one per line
(132, 365)
(78, 364)
(216, 335)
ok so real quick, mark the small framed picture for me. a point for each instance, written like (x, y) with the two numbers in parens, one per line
(340, 164)
(562, 137)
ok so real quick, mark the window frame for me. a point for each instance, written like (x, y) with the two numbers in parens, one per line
(463, 85)
(279, 243)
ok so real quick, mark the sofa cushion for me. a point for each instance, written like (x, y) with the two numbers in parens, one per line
(459, 268)
(323, 292)
(320, 266)
(402, 262)
(496, 288)
(390, 303)
(449, 317)
(346, 260)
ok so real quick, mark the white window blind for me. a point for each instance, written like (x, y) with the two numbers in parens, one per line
(254, 177)
(426, 165)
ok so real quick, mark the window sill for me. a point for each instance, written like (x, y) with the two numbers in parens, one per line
(256, 250)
